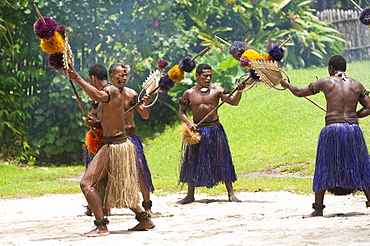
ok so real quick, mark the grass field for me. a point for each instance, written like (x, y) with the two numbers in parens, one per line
(268, 129)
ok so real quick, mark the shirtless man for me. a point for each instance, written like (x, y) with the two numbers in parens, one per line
(116, 156)
(342, 160)
(209, 162)
(119, 76)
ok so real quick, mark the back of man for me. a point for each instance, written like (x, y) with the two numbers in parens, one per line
(342, 94)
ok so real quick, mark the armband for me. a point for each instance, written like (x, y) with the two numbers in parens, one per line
(364, 93)
(184, 102)
(226, 91)
(311, 87)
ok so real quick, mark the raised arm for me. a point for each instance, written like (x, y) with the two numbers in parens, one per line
(91, 91)
(234, 100)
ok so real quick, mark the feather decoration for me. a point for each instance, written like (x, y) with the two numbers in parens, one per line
(93, 143)
(53, 45)
(165, 83)
(237, 48)
(276, 53)
(188, 136)
(46, 29)
(187, 64)
(365, 16)
(176, 74)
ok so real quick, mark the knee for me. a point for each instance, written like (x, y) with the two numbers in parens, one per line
(85, 186)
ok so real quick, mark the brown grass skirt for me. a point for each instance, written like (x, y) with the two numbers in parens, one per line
(120, 188)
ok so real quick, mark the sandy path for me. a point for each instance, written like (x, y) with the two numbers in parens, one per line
(263, 218)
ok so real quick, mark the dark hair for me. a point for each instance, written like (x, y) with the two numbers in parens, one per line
(201, 67)
(338, 63)
(98, 71)
(114, 66)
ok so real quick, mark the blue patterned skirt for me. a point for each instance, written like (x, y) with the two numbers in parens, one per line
(209, 162)
(342, 160)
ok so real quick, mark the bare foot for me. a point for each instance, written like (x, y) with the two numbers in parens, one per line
(88, 212)
(186, 200)
(97, 233)
(143, 225)
(315, 213)
(233, 198)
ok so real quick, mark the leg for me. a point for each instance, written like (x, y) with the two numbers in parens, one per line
(88, 212)
(96, 171)
(318, 206)
(189, 197)
(367, 194)
(144, 220)
(147, 203)
(230, 193)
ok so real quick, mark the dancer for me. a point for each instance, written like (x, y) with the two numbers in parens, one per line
(342, 160)
(209, 162)
(110, 181)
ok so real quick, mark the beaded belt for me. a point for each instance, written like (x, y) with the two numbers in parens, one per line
(117, 139)
(332, 119)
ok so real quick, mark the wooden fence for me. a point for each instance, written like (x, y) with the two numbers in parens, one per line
(357, 35)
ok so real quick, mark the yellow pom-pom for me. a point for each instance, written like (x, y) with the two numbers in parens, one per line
(176, 74)
(266, 57)
(251, 55)
(53, 45)
(189, 137)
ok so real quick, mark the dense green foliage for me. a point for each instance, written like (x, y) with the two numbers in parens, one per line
(39, 115)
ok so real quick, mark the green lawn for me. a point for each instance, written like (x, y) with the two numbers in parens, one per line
(269, 128)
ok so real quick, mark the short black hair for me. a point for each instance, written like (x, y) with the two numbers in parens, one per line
(98, 71)
(114, 66)
(201, 67)
(338, 63)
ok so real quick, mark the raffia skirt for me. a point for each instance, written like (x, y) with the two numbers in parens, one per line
(141, 164)
(120, 188)
(208, 162)
(342, 160)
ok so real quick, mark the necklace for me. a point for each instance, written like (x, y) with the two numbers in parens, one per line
(204, 89)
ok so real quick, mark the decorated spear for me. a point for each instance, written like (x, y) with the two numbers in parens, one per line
(166, 82)
(54, 42)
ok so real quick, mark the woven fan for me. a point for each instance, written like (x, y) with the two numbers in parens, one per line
(268, 71)
(152, 81)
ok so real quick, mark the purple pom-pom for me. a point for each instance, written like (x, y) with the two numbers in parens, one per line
(56, 61)
(276, 53)
(253, 74)
(165, 83)
(237, 49)
(187, 64)
(365, 16)
(62, 30)
(244, 62)
(45, 30)
(162, 64)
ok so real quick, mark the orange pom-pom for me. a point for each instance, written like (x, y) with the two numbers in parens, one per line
(92, 141)
(53, 45)
(176, 74)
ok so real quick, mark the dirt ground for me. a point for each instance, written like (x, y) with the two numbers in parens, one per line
(263, 218)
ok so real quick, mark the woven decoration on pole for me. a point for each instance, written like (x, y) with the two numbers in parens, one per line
(158, 81)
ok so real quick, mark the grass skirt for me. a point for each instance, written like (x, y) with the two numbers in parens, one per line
(141, 164)
(342, 160)
(87, 157)
(120, 188)
(209, 162)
